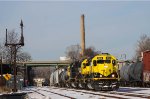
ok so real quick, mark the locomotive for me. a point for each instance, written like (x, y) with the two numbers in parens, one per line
(98, 73)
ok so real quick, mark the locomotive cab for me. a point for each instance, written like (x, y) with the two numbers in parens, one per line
(104, 71)
(104, 66)
(85, 68)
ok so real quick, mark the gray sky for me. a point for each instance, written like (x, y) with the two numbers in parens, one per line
(51, 26)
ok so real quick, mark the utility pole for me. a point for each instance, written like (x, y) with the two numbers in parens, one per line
(14, 47)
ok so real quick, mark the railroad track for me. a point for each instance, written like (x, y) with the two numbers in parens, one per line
(46, 94)
(69, 93)
(131, 94)
(111, 94)
(74, 91)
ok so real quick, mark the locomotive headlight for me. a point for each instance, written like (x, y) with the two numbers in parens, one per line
(113, 75)
(100, 76)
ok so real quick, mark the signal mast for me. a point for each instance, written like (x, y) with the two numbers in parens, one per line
(14, 46)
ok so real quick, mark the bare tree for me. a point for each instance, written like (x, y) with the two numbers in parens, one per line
(73, 52)
(23, 56)
(142, 45)
(8, 51)
(90, 52)
(41, 72)
(1, 49)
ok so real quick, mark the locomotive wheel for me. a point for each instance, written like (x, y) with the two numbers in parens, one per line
(73, 85)
(97, 88)
(115, 88)
(90, 85)
(148, 85)
(81, 85)
(67, 85)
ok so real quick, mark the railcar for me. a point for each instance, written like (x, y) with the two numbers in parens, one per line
(137, 73)
(131, 74)
(55, 77)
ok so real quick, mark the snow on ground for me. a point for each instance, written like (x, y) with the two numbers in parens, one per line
(80, 95)
(48, 92)
(49, 95)
(135, 90)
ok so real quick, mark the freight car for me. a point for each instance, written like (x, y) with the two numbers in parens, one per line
(137, 73)
(55, 79)
(99, 73)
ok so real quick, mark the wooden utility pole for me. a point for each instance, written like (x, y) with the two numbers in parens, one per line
(14, 47)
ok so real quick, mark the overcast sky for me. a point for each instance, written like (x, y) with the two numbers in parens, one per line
(51, 26)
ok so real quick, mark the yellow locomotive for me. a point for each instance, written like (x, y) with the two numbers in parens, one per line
(99, 73)
(104, 72)
(104, 66)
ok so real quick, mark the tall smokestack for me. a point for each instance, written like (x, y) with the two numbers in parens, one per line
(6, 38)
(82, 34)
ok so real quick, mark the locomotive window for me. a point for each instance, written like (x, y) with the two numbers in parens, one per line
(87, 64)
(100, 61)
(84, 64)
(101, 58)
(108, 58)
(94, 62)
(103, 61)
(107, 61)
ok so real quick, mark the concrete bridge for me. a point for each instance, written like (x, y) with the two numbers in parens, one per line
(26, 67)
(45, 63)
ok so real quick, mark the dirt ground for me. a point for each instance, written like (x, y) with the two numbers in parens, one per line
(4, 89)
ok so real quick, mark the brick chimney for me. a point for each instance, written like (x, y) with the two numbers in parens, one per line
(82, 34)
